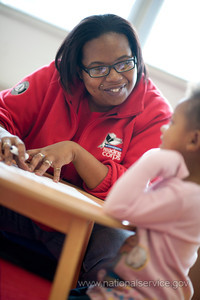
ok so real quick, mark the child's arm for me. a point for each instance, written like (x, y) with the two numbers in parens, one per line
(130, 200)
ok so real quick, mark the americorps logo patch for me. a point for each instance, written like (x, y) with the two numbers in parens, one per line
(110, 147)
(20, 88)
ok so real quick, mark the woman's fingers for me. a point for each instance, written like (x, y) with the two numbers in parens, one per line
(5, 148)
(21, 152)
(56, 174)
(44, 165)
(37, 158)
(39, 161)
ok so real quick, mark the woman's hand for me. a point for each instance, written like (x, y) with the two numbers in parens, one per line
(56, 156)
(6, 141)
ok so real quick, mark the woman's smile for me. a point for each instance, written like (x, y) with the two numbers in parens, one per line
(115, 91)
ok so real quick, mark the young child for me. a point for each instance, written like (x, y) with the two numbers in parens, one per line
(154, 263)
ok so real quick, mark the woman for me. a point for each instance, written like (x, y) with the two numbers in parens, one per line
(92, 112)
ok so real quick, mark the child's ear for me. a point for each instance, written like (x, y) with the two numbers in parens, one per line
(193, 143)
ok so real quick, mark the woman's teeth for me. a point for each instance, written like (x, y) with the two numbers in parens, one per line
(116, 90)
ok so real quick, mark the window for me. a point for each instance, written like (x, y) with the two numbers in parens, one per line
(168, 29)
(173, 43)
(66, 14)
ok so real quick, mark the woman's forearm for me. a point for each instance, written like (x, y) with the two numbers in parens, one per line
(88, 167)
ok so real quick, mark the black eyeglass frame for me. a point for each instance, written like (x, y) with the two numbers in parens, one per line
(87, 70)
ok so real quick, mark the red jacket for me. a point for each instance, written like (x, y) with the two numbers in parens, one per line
(42, 113)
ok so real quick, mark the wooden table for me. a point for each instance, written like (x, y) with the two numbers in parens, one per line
(61, 207)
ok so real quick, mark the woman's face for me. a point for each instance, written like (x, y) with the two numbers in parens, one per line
(113, 89)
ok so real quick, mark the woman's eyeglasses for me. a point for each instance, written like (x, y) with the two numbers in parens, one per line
(120, 67)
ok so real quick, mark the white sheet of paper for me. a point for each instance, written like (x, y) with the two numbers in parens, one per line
(47, 182)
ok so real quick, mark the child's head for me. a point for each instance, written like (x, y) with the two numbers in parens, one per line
(183, 132)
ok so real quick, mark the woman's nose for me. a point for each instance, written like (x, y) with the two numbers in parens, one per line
(114, 75)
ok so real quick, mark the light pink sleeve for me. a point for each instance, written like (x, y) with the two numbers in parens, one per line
(129, 199)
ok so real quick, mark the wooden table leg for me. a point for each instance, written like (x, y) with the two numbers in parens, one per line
(73, 251)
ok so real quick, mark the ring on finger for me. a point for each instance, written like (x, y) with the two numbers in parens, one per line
(6, 143)
(57, 169)
(41, 154)
(47, 161)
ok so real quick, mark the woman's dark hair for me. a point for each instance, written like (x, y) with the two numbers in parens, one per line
(69, 56)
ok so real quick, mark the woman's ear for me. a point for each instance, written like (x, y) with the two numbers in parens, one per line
(193, 143)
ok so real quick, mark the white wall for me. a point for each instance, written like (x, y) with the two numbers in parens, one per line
(28, 43)
(173, 88)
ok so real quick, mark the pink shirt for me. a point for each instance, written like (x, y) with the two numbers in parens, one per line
(154, 263)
